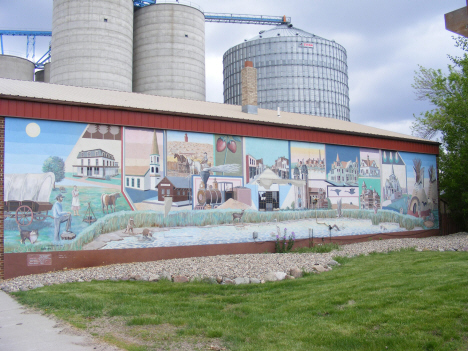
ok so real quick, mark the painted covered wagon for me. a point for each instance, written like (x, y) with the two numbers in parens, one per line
(27, 196)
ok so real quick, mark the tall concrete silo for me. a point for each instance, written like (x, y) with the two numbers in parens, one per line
(297, 72)
(92, 43)
(169, 50)
(43, 75)
(14, 67)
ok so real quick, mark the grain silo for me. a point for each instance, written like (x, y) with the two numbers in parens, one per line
(169, 50)
(14, 67)
(44, 74)
(92, 43)
(297, 72)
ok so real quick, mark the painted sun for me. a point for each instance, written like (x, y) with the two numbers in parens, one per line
(33, 130)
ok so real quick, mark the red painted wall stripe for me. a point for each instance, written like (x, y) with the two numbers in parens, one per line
(86, 114)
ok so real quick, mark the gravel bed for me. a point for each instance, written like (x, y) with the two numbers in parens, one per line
(226, 268)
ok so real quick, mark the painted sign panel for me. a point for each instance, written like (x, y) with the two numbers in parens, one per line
(74, 186)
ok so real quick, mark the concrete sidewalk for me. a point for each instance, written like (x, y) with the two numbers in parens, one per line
(25, 330)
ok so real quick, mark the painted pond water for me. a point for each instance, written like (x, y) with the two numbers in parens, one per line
(243, 233)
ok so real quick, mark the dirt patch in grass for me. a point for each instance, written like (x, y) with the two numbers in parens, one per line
(151, 337)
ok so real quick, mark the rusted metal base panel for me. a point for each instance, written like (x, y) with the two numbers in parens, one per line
(17, 264)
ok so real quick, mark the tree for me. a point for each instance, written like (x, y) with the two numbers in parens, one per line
(55, 165)
(449, 94)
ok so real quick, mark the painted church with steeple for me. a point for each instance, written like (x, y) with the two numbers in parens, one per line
(144, 177)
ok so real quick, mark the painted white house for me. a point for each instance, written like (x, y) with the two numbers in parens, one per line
(342, 172)
(96, 163)
(369, 168)
(144, 177)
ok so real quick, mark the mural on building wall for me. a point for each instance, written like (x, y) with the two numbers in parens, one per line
(72, 186)
(60, 178)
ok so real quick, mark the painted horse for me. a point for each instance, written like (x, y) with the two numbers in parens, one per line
(109, 200)
(182, 163)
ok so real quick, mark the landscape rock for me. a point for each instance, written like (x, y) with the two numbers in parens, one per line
(180, 279)
(295, 272)
(319, 268)
(154, 278)
(333, 263)
(239, 281)
(270, 277)
(228, 281)
(255, 281)
(280, 275)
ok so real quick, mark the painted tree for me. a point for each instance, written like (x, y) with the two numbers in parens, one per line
(55, 165)
(103, 129)
(92, 128)
(448, 92)
(114, 130)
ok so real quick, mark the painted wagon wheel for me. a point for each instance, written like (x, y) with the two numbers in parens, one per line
(40, 216)
(24, 215)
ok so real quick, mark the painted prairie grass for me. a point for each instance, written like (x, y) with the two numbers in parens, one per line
(398, 301)
(405, 221)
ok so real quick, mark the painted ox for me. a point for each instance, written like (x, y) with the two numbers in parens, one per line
(109, 200)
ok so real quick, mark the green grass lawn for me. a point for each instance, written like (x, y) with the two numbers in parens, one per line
(403, 300)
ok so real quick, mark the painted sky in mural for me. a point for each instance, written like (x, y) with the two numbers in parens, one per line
(31, 142)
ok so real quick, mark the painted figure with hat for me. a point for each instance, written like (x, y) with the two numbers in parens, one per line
(59, 217)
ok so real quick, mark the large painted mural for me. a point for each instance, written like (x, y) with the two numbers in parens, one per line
(73, 186)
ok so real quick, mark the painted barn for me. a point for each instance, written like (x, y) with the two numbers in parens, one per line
(176, 187)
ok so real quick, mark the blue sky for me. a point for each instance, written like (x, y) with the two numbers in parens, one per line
(24, 154)
(268, 149)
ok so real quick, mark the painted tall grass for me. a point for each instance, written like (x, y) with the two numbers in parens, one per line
(405, 221)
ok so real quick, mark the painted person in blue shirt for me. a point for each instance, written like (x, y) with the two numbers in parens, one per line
(59, 217)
